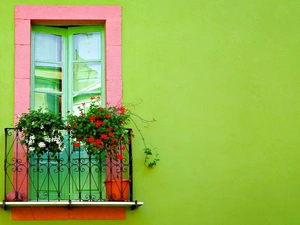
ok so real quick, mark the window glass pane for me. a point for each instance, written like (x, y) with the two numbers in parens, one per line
(86, 46)
(48, 101)
(48, 77)
(48, 47)
(86, 76)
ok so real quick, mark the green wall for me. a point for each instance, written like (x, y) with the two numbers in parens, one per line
(222, 80)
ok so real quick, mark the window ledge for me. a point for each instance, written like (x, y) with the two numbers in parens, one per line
(69, 204)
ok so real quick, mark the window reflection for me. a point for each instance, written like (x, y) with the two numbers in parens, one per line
(48, 77)
(86, 46)
(82, 70)
(86, 76)
(48, 47)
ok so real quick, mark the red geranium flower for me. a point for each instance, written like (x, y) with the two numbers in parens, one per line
(114, 140)
(98, 123)
(92, 118)
(122, 109)
(90, 139)
(120, 156)
(111, 134)
(104, 136)
(76, 144)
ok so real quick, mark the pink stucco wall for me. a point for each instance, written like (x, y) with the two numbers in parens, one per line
(25, 15)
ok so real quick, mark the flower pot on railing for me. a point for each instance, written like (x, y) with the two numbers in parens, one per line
(15, 197)
(101, 130)
(41, 132)
(117, 189)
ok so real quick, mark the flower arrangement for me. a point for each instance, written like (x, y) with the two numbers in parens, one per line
(100, 129)
(41, 131)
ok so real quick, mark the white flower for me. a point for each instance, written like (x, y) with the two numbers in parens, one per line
(31, 148)
(42, 127)
(32, 137)
(32, 123)
(47, 139)
(56, 139)
(42, 145)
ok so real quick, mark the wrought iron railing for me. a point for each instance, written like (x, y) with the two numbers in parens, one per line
(72, 177)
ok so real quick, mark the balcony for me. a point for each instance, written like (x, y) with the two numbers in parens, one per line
(70, 178)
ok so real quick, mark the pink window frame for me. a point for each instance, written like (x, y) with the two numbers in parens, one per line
(25, 16)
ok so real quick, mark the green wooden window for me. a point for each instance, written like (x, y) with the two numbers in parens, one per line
(67, 68)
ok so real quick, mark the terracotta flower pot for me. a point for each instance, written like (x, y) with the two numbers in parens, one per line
(117, 189)
(13, 197)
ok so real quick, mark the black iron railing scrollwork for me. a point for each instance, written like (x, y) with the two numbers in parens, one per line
(70, 176)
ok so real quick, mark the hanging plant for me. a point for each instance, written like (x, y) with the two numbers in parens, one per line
(100, 130)
(41, 131)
